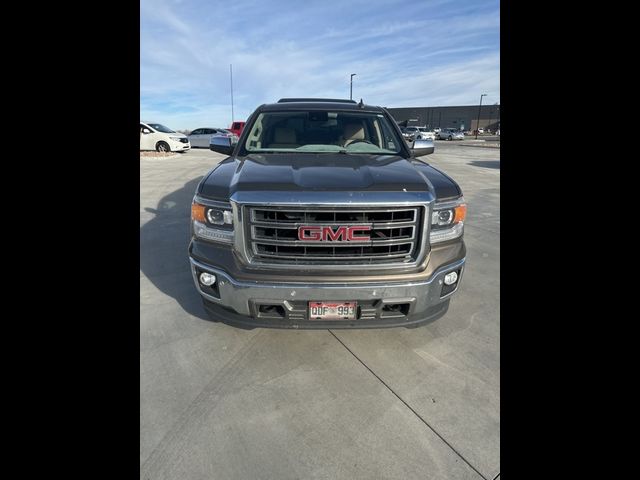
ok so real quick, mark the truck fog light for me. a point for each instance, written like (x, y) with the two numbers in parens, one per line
(450, 278)
(207, 279)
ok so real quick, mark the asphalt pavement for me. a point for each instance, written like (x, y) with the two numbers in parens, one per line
(217, 402)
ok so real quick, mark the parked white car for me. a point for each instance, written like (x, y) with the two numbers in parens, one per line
(420, 133)
(425, 134)
(154, 136)
(201, 137)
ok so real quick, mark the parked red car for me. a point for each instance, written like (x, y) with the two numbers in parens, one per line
(236, 127)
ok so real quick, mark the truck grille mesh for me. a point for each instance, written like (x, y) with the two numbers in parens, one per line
(272, 235)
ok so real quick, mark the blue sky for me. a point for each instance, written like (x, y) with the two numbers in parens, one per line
(405, 54)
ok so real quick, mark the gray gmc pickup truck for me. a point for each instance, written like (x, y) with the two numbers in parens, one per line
(323, 217)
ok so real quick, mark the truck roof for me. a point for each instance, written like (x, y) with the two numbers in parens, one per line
(285, 104)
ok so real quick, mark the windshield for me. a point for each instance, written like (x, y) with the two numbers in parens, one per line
(318, 131)
(161, 128)
(423, 129)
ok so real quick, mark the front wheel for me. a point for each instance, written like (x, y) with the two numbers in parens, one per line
(450, 138)
(162, 147)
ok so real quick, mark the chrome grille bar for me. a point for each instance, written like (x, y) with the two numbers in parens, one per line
(272, 235)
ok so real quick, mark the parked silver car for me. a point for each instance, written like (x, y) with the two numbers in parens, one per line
(200, 136)
(223, 133)
(450, 134)
(409, 135)
(413, 131)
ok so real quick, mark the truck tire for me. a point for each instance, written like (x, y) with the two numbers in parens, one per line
(162, 147)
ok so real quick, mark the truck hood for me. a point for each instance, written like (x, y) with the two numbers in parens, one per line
(327, 172)
(290, 172)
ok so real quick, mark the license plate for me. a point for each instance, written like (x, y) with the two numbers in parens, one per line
(332, 310)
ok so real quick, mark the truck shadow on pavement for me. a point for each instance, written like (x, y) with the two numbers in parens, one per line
(486, 163)
(164, 241)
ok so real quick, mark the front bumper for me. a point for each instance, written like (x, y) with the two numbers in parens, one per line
(285, 305)
(179, 146)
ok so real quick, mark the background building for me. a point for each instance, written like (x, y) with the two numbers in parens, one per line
(463, 117)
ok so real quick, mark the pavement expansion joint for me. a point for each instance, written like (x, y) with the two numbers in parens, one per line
(409, 407)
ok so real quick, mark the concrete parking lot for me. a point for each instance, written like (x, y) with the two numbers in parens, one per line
(217, 402)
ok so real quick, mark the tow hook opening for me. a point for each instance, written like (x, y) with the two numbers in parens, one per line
(395, 309)
(272, 311)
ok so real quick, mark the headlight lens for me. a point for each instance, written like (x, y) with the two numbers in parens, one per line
(442, 217)
(215, 216)
(212, 223)
(447, 221)
(212, 215)
(175, 139)
(219, 216)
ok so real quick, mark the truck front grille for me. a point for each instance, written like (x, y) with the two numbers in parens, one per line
(272, 235)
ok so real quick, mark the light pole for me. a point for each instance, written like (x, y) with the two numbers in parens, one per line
(479, 108)
(351, 87)
(231, 75)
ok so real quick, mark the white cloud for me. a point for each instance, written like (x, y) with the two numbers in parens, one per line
(186, 50)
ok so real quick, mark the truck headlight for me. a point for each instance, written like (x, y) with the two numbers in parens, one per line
(447, 221)
(211, 215)
(212, 223)
(442, 217)
(218, 216)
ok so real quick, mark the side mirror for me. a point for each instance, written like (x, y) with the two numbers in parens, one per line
(422, 147)
(145, 131)
(221, 145)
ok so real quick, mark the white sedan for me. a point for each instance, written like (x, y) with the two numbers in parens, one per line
(424, 134)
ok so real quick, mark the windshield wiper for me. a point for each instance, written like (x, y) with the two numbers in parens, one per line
(275, 151)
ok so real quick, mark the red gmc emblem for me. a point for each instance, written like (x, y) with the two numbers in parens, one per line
(316, 233)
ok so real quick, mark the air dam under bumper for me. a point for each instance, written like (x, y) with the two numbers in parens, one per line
(285, 305)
